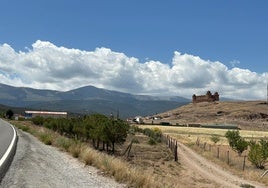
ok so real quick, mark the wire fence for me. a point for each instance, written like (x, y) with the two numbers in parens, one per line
(225, 154)
(172, 144)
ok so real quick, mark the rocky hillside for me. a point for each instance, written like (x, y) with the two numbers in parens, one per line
(245, 114)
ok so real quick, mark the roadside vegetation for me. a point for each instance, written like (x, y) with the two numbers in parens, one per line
(98, 141)
(101, 131)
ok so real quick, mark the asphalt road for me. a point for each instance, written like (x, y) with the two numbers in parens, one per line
(6, 136)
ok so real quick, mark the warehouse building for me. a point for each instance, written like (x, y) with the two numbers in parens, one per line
(32, 114)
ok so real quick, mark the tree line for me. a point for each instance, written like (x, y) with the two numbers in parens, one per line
(103, 132)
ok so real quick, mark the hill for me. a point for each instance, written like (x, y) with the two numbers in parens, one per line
(245, 114)
(88, 99)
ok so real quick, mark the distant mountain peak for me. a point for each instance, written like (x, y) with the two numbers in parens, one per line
(88, 99)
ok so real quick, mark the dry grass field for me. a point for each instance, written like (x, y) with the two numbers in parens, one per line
(190, 134)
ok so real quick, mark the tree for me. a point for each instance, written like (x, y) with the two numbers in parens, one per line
(9, 114)
(236, 142)
(258, 153)
(116, 132)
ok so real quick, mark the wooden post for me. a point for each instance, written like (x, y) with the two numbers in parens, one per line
(228, 157)
(205, 146)
(176, 153)
(218, 152)
(244, 163)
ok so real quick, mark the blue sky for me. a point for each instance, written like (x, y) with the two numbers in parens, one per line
(232, 33)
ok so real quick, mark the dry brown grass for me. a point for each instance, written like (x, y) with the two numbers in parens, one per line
(154, 160)
(119, 169)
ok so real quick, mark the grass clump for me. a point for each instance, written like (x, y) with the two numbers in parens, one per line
(75, 149)
(63, 143)
(46, 138)
(23, 127)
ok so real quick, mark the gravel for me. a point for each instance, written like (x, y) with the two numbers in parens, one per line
(42, 166)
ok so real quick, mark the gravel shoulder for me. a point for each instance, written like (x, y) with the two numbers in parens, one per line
(39, 165)
(200, 172)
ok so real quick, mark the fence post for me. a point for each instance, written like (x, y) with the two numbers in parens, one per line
(228, 157)
(218, 152)
(244, 163)
(205, 146)
(176, 152)
(197, 142)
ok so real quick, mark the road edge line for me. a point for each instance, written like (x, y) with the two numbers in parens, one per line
(7, 158)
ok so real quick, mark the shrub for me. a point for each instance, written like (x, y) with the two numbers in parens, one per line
(38, 120)
(154, 134)
(87, 155)
(236, 142)
(215, 139)
(64, 143)
(134, 129)
(23, 127)
(152, 141)
(75, 149)
(46, 138)
(258, 153)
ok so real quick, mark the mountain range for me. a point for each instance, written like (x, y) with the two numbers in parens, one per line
(88, 100)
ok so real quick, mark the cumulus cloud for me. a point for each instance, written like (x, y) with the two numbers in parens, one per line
(47, 66)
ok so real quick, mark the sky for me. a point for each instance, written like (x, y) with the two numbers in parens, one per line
(151, 47)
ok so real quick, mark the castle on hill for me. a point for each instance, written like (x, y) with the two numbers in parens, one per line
(206, 98)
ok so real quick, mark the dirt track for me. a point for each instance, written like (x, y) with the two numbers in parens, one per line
(199, 172)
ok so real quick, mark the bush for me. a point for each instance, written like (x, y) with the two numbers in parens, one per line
(23, 127)
(154, 134)
(236, 142)
(75, 149)
(152, 141)
(134, 129)
(215, 139)
(46, 138)
(64, 143)
(258, 153)
(38, 120)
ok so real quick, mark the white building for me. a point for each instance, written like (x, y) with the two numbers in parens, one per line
(31, 114)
